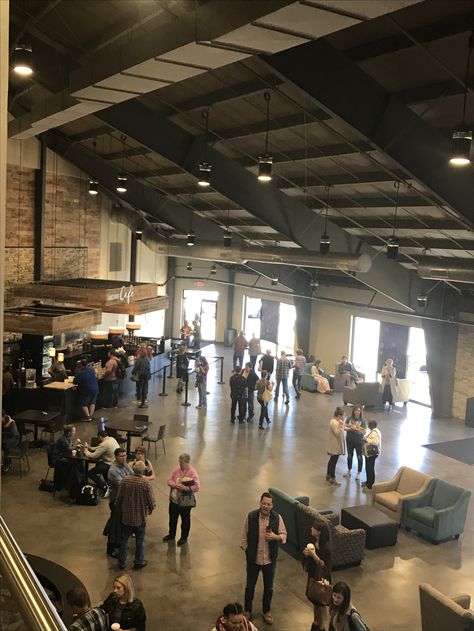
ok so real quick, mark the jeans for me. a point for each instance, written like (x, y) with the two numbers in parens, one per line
(331, 470)
(142, 385)
(387, 395)
(250, 402)
(111, 396)
(139, 532)
(354, 443)
(241, 403)
(263, 412)
(253, 571)
(100, 469)
(238, 359)
(201, 386)
(184, 512)
(297, 382)
(284, 383)
(253, 360)
(370, 470)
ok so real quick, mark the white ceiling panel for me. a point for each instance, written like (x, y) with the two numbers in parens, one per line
(203, 55)
(131, 83)
(308, 21)
(366, 8)
(164, 71)
(258, 38)
(104, 95)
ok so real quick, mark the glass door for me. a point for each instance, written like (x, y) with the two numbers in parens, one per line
(208, 320)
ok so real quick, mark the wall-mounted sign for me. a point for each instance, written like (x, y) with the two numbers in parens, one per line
(199, 283)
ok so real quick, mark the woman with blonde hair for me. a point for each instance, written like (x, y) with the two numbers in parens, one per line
(123, 607)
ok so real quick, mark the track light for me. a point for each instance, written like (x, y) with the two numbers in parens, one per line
(324, 243)
(204, 178)
(265, 164)
(213, 270)
(93, 187)
(422, 299)
(227, 239)
(461, 148)
(191, 238)
(121, 186)
(189, 267)
(22, 60)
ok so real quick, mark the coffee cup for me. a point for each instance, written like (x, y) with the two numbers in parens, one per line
(74, 452)
(115, 626)
(310, 547)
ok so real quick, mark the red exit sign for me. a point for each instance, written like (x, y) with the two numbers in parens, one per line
(199, 283)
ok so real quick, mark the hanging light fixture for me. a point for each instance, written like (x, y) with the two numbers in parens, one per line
(138, 235)
(393, 243)
(461, 147)
(265, 162)
(189, 267)
(213, 270)
(22, 60)
(325, 240)
(422, 299)
(191, 238)
(227, 233)
(314, 284)
(121, 186)
(205, 168)
(93, 186)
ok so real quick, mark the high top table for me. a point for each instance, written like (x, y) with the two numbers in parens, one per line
(38, 418)
(130, 426)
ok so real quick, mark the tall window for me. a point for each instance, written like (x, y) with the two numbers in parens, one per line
(365, 346)
(285, 324)
(203, 306)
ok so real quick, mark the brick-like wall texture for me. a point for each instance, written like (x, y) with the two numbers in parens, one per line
(71, 227)
(464, 375)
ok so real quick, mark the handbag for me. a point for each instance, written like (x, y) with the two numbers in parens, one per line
(134, 377)
(186, 500)
(266, 395)
(371, 450)
(318, 592)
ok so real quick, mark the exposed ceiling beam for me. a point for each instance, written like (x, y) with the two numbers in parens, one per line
(428, 243)
(429, 92)
(95, 132)
(128, 153)
(285, 122)
(423, 223)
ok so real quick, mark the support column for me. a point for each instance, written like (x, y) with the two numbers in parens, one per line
(133, 263)
(171, 291)
(303, 323)
(441, 346)
(230, 300)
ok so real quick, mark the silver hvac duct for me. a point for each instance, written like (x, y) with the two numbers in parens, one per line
(277, 256)
(456, 270)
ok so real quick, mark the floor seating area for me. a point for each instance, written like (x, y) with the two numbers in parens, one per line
(442, 613)
(388, 496)
(368, 394)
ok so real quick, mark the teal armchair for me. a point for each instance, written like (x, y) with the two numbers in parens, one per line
(439, 513)
(307, 381)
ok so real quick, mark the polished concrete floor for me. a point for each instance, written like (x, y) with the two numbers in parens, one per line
(185, 589)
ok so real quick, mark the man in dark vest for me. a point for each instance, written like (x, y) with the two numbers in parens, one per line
(263, 531)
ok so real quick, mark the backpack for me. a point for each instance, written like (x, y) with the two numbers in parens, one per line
(355, 621)
(87, 496)
(120, 372)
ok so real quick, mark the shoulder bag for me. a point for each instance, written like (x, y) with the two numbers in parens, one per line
(186, 500)
(266, 395)
(318, 592)
(355, 621)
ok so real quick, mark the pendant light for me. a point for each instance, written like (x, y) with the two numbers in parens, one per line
(228, 233)
(393, 243)
(22, 60)
(121, 186)
(265, 161)
(314, 284)
(422, 299)
(191, 238)
(93, 184)
(275, 280)
(325, 240)
(213, 270)
(461, 147)
(204, 178)
(189, 267)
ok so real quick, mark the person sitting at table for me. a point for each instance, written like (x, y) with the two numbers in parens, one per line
(64, 445)
(140, 454)
(321, 377)
(104, 455)
(10, 439)
(346, 369)
(58, 371)
(88, 388)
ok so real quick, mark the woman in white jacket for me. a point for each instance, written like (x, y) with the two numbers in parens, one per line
(372, 449)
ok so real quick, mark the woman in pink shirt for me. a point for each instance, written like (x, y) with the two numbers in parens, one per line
(184, 484)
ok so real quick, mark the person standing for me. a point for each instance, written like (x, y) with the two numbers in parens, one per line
(263, 530)
(240, 344)
(184, 484)
(298, 371)
(8, 383)
(10, 439)
(202, 368)
(185, 331)
(233, 619)
(282, 372)
(110, 380)
(317, 563)
(251, 378)
(196, 334)
(118, 470)
(372, 449)
(104, 455)
(123, 608)
(182, 365)
(388, 374)
(267, 362)
(355, 432)
(254, 350)
(141, 369)
(264, 394)
(237, 394)
(336, 445)
(88, 388)
(135, 501)
(85, 618)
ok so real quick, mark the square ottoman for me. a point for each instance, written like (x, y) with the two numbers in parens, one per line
(380, 529)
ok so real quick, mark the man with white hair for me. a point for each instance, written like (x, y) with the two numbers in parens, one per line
(135, 500)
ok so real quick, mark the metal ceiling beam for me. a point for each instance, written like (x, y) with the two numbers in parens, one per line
(423, 223)
(277, 124)
(283, 213)
(430, 92)
(425, 243)
(416, 146)
(91, 133)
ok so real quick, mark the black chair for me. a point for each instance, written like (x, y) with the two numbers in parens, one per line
(23, 431)
(118, 437)
(149, 438)
(57, 426)
(141, 418)
(49, 455)
(20, 454)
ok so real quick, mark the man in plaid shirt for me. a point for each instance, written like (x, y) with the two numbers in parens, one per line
(86, 619)
(135, 500)
(282, 371)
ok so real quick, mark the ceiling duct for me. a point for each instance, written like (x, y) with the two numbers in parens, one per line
(459, 271)
(277, 256)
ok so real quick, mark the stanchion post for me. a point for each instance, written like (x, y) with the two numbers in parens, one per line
(186, 402)
(170, 376)
(163, 393)
(222, 370)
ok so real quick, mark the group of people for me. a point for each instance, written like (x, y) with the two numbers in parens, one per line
(349, 435)
(187, 332)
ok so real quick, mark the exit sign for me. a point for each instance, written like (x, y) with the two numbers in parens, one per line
(199, 283)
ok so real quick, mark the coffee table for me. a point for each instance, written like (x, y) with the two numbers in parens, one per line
(380, 529)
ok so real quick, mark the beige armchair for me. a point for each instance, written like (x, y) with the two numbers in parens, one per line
(388, 496)
(440, 613)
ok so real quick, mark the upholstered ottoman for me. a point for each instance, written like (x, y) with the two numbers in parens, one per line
(380, 530)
